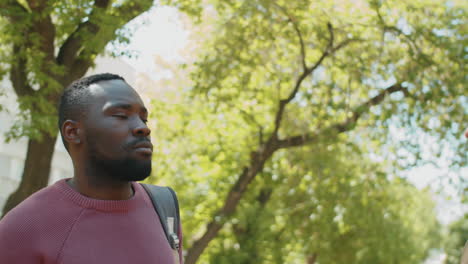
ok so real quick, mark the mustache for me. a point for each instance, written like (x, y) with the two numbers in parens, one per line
(132, 143)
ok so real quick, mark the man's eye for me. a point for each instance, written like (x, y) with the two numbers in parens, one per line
(120, 116)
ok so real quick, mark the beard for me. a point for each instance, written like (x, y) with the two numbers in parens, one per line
(124, 170)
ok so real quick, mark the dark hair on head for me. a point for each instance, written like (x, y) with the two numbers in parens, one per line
(73, 101)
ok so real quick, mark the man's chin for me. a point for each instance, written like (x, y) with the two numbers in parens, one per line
(129, 170)
(138, 177)
(136, 173)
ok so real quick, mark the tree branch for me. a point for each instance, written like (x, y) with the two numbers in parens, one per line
(299, 34)
(16, 13)
(13, 11)
(346, 125)
(252, 119)
(44, 27)
(41, 24)
(257, 161)
(18, 74)
(306, 72)
(312, 258)
(37, 5)
(386, 28)
(69, 49)
(343, 44)
(77, 54)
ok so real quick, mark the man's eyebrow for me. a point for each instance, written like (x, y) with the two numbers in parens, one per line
(125, 106)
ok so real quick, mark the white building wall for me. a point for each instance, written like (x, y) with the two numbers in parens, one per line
(13, 154)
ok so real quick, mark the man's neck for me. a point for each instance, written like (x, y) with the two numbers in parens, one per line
(101, 189)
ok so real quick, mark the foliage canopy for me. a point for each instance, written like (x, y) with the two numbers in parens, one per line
(287, 106)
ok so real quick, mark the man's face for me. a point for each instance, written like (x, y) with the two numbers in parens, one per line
(117, 140)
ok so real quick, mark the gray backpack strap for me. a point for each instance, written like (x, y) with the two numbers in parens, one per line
(166, 205)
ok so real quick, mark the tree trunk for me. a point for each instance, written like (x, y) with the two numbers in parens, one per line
(199, 246)
(257, 161)
(312, 258)
(36, 171)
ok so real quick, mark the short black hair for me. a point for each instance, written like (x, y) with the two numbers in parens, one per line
(73, 102)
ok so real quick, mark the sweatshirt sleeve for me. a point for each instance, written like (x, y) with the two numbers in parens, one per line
(16, 245)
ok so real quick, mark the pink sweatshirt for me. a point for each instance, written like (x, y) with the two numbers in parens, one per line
(58, 225)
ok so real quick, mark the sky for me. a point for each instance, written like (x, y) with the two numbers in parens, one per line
(161, 32)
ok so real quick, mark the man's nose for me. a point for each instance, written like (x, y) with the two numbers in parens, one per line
(141, 130)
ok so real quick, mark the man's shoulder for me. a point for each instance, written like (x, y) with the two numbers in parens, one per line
(39, 209)
(37, 227)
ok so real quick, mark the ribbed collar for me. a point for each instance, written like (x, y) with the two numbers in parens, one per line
(102, 205)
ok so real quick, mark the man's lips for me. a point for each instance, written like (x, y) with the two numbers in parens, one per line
(144, 148)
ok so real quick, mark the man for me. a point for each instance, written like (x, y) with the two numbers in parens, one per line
(100, 215)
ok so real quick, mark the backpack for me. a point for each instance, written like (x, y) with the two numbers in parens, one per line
(166, 205)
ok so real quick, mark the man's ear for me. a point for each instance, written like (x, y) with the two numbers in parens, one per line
(72, 132)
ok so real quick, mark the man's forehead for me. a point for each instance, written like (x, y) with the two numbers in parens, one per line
(113, 90)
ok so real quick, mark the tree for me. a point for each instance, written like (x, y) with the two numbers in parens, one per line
(45, 45)
(342, 213)
(281, 75)
(304, 204)
(456, 240)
